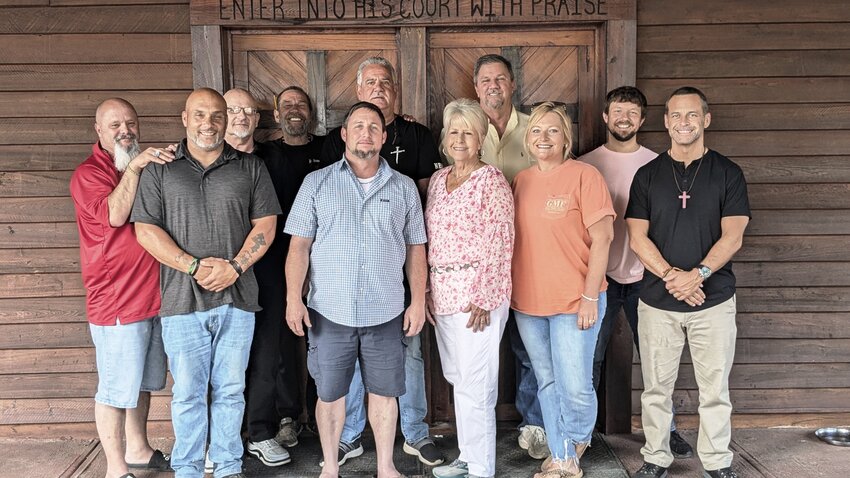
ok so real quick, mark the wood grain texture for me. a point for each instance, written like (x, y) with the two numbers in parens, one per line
(799, 222)
(14, 261)
(808, 89)
(792, 274)
(112, 48)
(792, 325)
(41, 285)
(118, 76)
(53, 385)
(96, 19)
(42, 310)
(34, 131)
(413, 72)
(66, 410)
(39, 235)
(764, 143)
(760, 117)
(76, 431)
(756, 64)
(784, 351)
(805, 196)
(48, 157)
(793, 248)
(795, 169)
(809, 400)
(45, 335)
(670, 12)
(36, 210)
(47, 361)
(84, 103)
(208, 58)
(38, 183)
(362, 40)
(743, 37)
(793, 299)
(767, 376)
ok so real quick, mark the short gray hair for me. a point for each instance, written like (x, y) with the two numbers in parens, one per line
(469, 112)
(375, 60)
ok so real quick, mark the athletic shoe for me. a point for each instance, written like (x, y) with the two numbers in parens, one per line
(679, 447)
(269, 452)
(426, 451)
(533, 439)
(347, 451)
(455, 469)
(288, 434)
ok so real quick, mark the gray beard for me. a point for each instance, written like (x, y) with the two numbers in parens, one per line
(300, 130)
(123, 157)
(204, 147)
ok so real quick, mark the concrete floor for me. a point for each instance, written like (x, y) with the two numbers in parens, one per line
(758, 453)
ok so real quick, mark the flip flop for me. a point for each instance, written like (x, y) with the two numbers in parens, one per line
(158, 462)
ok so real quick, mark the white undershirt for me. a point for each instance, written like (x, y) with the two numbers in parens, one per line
(366, 183)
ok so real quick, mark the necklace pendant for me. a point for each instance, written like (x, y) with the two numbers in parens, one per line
(684, 197)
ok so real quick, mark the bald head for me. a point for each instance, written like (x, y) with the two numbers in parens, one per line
(116, 123)
(243, 116)
(205, 119)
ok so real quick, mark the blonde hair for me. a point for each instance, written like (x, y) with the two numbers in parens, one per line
(539, 112)
(471, 114)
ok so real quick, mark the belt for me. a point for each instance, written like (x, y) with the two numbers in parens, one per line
(453, 267)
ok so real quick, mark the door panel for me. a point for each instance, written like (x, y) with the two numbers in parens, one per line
(562, 65)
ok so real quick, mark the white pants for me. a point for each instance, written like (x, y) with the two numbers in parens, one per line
(471, 364)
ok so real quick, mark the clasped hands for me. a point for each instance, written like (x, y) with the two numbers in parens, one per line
(215, 274)
(685, 286)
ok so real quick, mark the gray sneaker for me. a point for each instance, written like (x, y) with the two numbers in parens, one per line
(288, 434)
(269, 452)
(347, 451)
(455, 469)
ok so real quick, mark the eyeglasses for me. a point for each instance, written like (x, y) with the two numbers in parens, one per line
(235, 110)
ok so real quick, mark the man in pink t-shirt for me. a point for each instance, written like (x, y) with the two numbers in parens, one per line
(618, 160)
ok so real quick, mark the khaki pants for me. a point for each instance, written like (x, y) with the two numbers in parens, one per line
(711, 337)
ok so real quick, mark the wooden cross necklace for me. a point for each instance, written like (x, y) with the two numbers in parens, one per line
(684, 196)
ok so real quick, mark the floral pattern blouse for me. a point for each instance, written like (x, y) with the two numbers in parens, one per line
(470, 240)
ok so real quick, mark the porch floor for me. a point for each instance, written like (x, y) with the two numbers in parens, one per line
(773, 452)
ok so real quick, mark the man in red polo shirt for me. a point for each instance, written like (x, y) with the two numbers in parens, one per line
(122, 289)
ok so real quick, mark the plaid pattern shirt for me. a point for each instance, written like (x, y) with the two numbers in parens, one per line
(360, 241)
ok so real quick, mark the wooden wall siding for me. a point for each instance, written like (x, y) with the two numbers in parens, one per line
(776, 75)
(60, 59)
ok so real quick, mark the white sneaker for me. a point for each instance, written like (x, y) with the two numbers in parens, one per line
(533, 439)
(269, 452)
(455, 469)
(209, 466)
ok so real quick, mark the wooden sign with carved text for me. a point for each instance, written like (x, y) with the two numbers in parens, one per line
(256, 13)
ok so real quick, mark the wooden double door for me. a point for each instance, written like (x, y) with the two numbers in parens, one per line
(433, 66)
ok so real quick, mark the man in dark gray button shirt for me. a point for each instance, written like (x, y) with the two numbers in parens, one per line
(207, 217)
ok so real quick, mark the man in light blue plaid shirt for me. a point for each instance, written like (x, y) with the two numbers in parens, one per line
(355, 224)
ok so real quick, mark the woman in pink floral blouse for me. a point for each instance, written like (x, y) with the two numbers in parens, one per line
(470, 222)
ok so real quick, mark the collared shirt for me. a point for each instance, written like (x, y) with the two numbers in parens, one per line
(508, 153)
(121, 278)
(716, 189)
(208, 213)
(360, 241)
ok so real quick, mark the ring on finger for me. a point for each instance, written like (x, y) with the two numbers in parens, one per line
(156, 153)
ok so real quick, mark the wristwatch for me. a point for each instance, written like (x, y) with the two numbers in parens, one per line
(704, 271)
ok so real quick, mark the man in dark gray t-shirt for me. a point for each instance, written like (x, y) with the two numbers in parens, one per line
(207, 217)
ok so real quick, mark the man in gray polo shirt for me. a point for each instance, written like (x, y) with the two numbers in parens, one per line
(207, 217)
(355, 224)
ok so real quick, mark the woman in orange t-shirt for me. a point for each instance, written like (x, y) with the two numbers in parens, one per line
(564, 226)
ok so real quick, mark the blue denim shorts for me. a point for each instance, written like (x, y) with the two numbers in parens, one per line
(130, 359)
(334, 349)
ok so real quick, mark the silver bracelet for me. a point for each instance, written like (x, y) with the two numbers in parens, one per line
(588, 298)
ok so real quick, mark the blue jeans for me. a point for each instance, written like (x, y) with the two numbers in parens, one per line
(562, 357)
(412, 406)
(526, 383)
(208, 349)
(619, 296)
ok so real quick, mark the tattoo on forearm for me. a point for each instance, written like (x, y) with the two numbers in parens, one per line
(258, 242)
(179, 258)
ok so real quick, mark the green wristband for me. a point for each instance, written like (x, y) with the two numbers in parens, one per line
(194, 266)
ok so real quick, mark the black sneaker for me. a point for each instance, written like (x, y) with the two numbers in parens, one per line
(679, 447)
(721, 473)
(648, 470)
(347, 451)
(426, 451)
